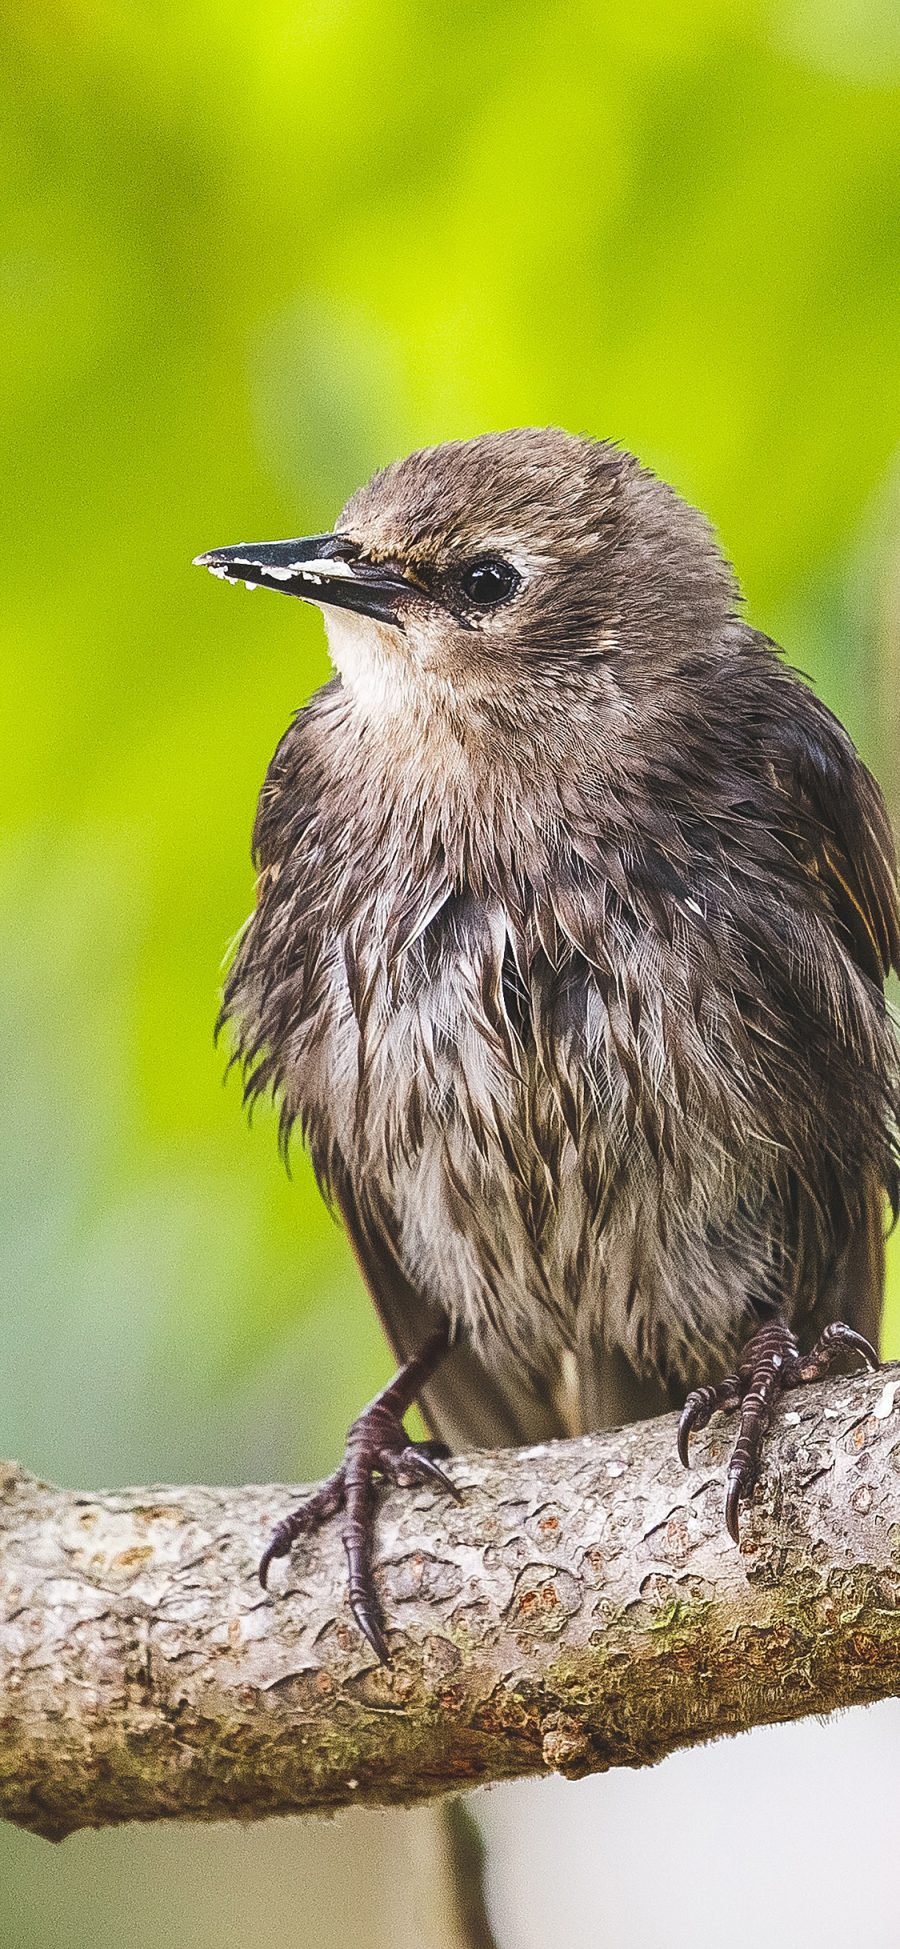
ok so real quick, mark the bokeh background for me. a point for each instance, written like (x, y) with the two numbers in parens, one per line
(249, 253)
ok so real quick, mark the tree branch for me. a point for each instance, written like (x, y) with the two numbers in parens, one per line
(583, 1608)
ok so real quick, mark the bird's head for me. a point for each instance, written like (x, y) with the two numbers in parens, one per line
(523, 563)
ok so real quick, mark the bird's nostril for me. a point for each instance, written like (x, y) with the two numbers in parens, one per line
(340, 548)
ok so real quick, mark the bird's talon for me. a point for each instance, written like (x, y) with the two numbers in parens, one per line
(422, 1467)
(689, 1420)
(372, 1632)
(279, 1545)
(377, 1445)
(732, 1505)
(771, 1365)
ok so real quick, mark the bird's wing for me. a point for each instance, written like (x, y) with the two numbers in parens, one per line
(465, 1404)
(848, 833)
(851, 852)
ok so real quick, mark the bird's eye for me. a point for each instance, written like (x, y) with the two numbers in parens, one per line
(489, 582)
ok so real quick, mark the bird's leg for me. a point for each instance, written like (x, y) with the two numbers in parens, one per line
(377, 1445)
(771, 1364)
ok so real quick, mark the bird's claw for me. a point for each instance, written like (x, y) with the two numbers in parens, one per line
(377, 1446)
(699, 1409)
(309, 1515)
(739, 1486)
(771, 1365)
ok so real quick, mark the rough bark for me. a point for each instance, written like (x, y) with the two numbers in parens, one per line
(583, 1608)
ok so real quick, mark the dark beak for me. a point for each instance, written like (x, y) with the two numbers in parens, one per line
(319, 568)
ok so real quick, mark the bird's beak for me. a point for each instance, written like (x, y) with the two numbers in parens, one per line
(316, 568)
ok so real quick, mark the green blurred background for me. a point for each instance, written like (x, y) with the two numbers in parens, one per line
(248, 254)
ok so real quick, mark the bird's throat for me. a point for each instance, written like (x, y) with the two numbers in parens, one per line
(388, 678)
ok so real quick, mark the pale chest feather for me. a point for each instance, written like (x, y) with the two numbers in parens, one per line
(518, 1138)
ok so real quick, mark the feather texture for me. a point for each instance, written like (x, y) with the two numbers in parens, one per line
(575, 985)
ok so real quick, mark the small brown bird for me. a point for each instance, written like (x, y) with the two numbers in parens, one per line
(573, 917)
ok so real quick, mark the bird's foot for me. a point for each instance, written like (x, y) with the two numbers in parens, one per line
(377, 1446)
(771, 1365)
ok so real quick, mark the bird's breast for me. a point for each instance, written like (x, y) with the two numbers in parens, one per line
(541, 1179)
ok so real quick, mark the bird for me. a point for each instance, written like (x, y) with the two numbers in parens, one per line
(574, 909)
